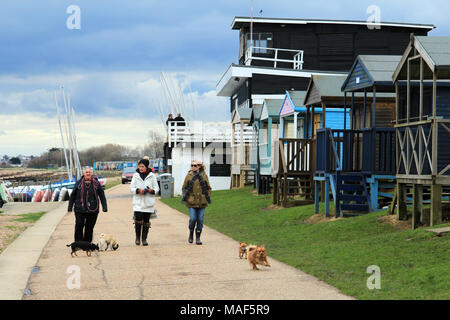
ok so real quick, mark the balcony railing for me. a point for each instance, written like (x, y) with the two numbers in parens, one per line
(200, 132)
(272, 55)
(367, 150)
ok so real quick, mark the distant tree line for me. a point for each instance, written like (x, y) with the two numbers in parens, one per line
(54, 157)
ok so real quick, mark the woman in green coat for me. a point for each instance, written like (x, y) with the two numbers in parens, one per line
(196, 193)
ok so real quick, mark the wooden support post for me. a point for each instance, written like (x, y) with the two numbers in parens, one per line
(269, 138)
(402, 213)
(337, 201)
(374, 107)
(316, 196)
(345, 110)
(327, 198)
(374, 193)
(434, 125)
(322, 191)
(393, 203)
(275, 191)
(417, 205)
(421, 90)
(313, 120)
(295, 125)
(279, 192)
(241, 147)
(397, 131)
(420, 128)
(436, 204)
(365, 108)
(285, 190)
(352, 111)
(306, 135)
(324, 108)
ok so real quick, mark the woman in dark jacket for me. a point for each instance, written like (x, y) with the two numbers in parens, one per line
(85, 200)
(196, 194)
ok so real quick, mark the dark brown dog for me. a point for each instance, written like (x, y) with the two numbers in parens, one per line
(242, 250)
(257, 255)
(82, 245)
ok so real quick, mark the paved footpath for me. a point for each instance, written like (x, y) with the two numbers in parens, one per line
(169, 268)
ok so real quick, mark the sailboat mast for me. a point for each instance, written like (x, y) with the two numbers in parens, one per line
(62, 135)
(69, 141)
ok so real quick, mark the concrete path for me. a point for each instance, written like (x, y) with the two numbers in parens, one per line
(19, 258)
(169, 268)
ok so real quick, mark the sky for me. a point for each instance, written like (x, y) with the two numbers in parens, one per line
(111, 65)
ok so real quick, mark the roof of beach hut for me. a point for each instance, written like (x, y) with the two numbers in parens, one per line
(321, 87)
(371, 70)
(256, 113)
(271, 108)
(241, 114)
(435, 52)
(292, 101)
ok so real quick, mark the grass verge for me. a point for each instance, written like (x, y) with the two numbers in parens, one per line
(413, 263)
(12, 226)
(112, 182)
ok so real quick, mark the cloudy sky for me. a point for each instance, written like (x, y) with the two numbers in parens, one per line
(111, 66)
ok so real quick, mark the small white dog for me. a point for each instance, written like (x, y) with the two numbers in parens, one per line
(107, 240)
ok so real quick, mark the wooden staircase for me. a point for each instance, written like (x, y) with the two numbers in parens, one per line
(350, 194)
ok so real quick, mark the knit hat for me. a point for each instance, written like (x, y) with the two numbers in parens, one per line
(145, 162)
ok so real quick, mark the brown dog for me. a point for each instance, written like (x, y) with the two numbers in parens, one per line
(107, 241)
(242, 250)
(257, 255)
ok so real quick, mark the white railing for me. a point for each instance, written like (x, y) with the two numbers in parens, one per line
(200, 132)
(296, 61)
(247, 135)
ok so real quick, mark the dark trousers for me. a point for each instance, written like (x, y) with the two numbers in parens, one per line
(142, 216)
(84, 226)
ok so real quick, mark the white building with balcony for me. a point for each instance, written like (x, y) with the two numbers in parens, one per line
(212, 143)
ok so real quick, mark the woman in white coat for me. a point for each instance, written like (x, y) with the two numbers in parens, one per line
(144, 187)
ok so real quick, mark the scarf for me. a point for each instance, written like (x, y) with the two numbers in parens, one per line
(191, 185)
(143, 175)
(84, 192)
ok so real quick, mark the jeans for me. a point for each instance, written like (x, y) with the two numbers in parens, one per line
(196, 217)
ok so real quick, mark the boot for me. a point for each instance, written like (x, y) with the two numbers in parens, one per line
(197, 237)
(137, 228)
(145, 228)
(191, 236)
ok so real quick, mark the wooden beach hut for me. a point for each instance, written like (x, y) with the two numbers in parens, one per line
(296, 156)
(242, 132)
(423, 128)
(268, 135)
(255, 123)
(358, 162)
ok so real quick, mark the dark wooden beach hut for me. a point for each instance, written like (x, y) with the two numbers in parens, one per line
(359, 162)
(423, 128)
